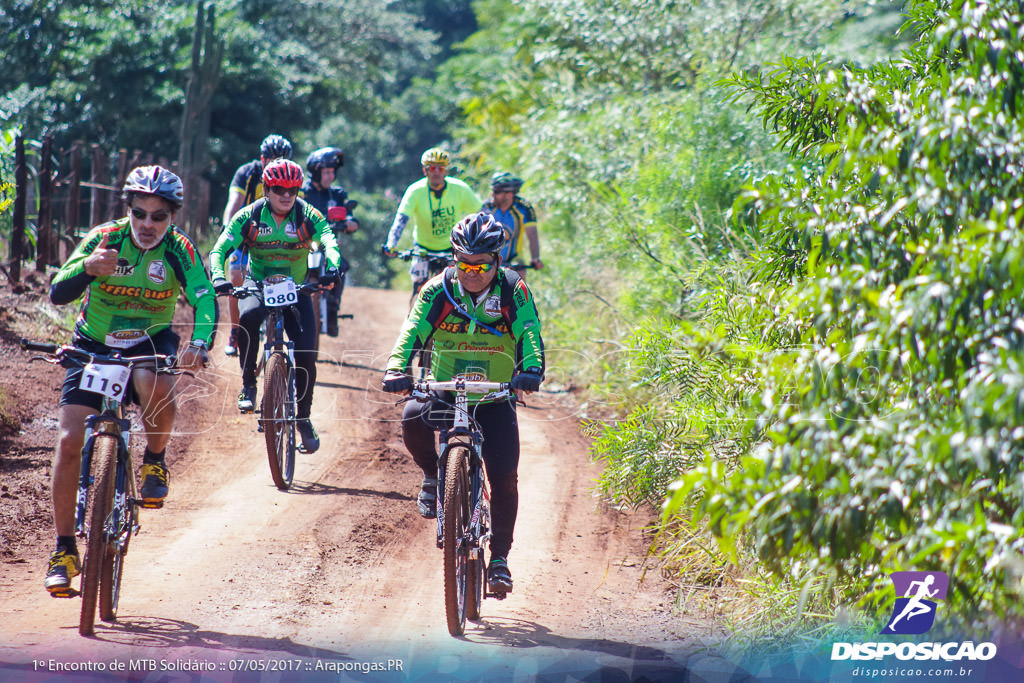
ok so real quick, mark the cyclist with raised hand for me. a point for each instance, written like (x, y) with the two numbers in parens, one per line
(130, 271)
(246, 187)
(277, 231)
(518, 217)
(434, 204)
(319, 191)
(484, 324)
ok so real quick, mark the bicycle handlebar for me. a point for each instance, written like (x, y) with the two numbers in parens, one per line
(456, 385)
(408, 254)
(243, 292)
(68, 356)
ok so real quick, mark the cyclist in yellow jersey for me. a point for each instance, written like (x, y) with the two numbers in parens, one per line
(433, 204)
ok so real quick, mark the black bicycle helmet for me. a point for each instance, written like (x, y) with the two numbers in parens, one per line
(325, 157)
(505, 181)
(477, 233)
(275, 147)
(155, 180)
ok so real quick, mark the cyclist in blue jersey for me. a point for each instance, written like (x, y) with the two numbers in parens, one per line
(517, 216)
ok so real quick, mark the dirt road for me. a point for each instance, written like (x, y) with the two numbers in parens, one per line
(340, 573)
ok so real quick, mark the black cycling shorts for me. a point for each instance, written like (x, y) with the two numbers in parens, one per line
(163, 342)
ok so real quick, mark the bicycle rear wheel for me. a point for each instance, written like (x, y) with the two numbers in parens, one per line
(101, 502)
(455, 542)
(278, 422)
(119, 531)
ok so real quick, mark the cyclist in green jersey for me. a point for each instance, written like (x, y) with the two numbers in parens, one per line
(130, 271)
(433, 204)
(246, 187)
(277, 231)
(484, 326)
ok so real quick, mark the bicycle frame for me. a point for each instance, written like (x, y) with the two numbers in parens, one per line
(464, 434)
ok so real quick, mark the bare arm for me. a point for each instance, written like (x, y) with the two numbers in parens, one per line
(235, 200)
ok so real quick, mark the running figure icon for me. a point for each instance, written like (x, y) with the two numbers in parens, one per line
(917, 592)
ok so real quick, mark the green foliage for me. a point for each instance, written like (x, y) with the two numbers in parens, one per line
(894, 438)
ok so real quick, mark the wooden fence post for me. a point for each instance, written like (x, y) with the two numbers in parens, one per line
(46, 240)
(18, 228)
(73, 208)
(115, 207)
(97, 196)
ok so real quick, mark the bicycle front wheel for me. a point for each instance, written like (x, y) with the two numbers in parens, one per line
(100, 503)
(120, 525)
(456, 538)
(475, 572)
(278, 422)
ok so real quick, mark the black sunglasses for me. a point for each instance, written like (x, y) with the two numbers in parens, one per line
(284, 191)
(158, 216)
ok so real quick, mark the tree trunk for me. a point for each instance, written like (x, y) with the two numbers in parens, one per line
(193, 157)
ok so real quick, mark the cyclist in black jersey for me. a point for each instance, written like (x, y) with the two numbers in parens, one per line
(319, 191)
(247, 187)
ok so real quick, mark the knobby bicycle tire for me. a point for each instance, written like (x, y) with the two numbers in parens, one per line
(100, 503)
(113, 559)
(475, 568)
(456, 552)
(278, 427)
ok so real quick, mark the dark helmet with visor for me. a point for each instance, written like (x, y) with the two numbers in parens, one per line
(325, 157)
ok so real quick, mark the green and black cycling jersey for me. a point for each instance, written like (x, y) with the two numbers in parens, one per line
(138, 299)
(274, 248)
(489, 337)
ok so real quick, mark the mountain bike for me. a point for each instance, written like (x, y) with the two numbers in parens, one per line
(107, 494)
(280, 296)
(463, 499)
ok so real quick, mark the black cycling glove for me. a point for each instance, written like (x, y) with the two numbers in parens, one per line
(394, 383)
(221, 286)
(527, 380)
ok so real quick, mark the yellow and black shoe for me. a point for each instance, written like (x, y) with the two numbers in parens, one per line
(154, 485)
(64, 566)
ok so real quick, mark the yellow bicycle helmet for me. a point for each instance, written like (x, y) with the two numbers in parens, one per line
(435, 156)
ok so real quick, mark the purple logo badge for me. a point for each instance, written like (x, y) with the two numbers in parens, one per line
(916, 593)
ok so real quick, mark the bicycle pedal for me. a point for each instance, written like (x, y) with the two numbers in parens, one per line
(151, 504)
(346, 316)
(501, 595)
(66, 593)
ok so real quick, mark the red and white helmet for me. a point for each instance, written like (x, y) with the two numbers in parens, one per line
(282, 173)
